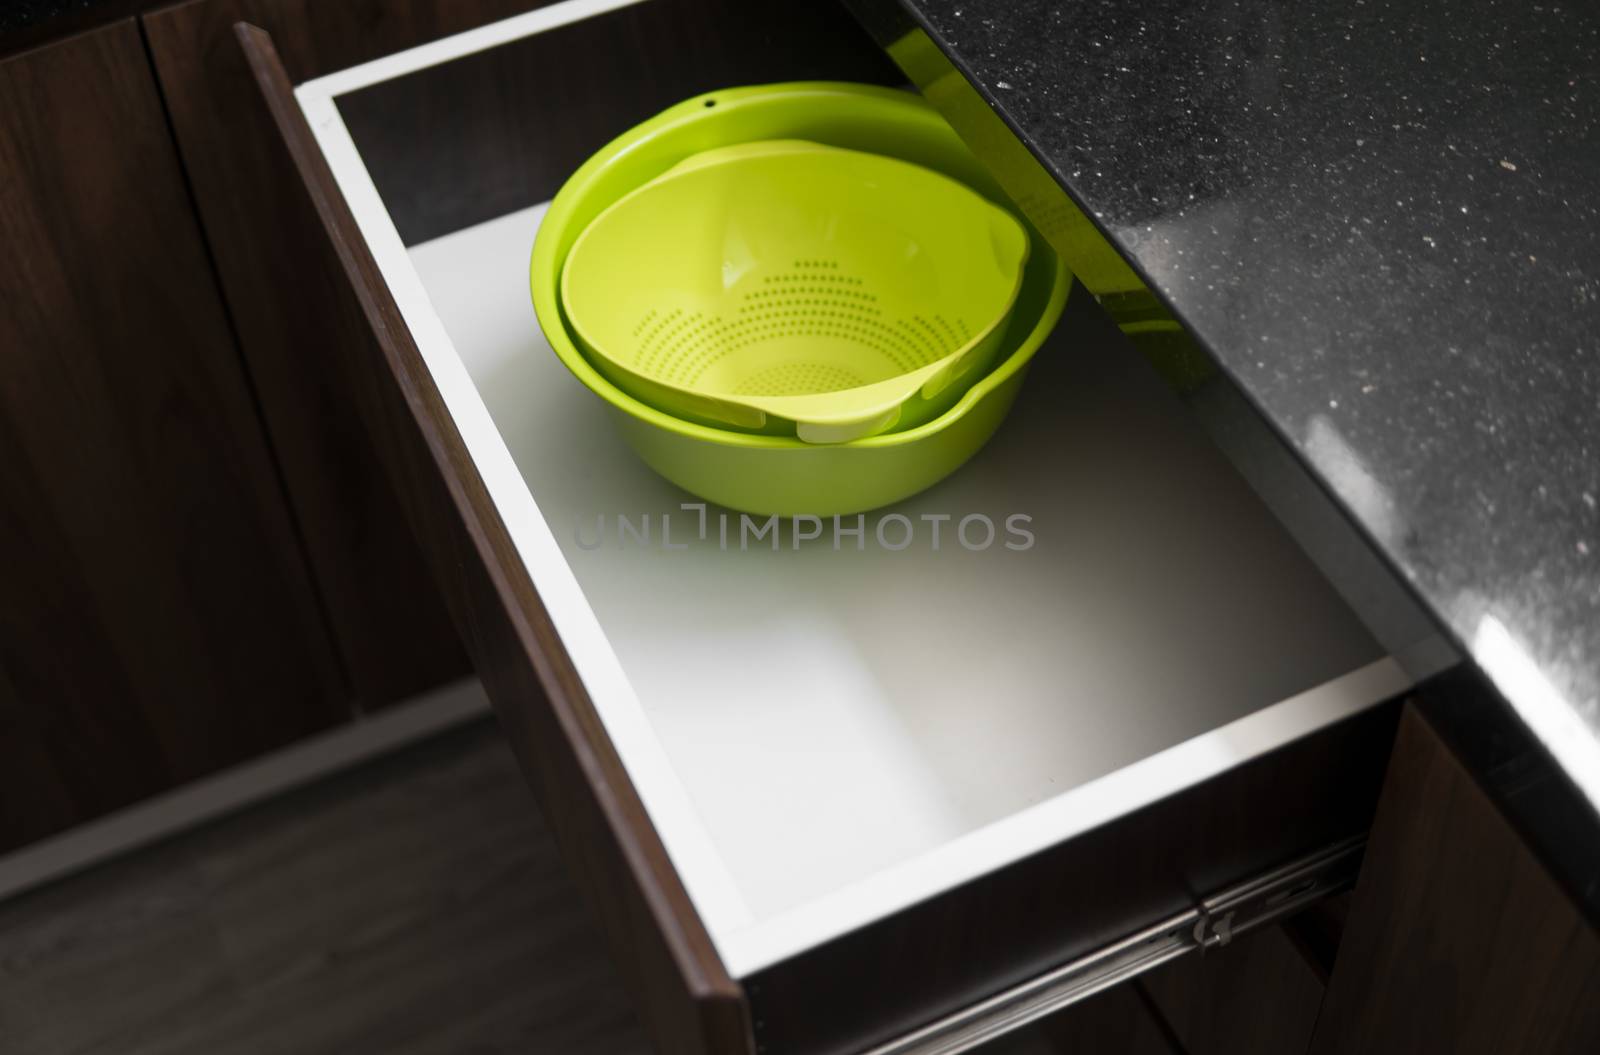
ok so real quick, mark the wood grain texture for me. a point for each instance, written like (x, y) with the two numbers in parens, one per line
(1317, 932)
(1258, 995)
(1118, 1021)
(684, 994)
(1458, 940)
(156, 619)
(1554, 819)
(414, 906)
(393, 633)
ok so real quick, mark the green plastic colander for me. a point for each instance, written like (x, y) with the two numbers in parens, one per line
(796, 287)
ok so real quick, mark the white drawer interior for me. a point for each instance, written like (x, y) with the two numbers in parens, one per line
(824, 734)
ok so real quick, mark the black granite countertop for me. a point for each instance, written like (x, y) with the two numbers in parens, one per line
(29, 14)
(28, 24)
(1382, 219)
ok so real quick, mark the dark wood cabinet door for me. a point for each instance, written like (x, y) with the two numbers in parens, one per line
(1119, 1021)
(157, 621)
(1258, 995)
(1458, 940)
(294, 314)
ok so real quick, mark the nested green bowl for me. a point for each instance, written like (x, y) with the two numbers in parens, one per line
(782, 474)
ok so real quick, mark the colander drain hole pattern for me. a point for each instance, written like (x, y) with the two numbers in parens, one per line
(811, 300)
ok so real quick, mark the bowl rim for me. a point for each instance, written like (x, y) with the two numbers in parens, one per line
(548, 309)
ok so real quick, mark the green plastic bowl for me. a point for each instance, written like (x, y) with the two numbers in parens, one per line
(782, 474)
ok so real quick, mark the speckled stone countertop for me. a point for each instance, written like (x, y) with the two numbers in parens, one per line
(27, 24)
(1382, 218)
(16, 15)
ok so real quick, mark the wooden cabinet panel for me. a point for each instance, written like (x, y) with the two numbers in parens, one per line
(156, 618)
(1118, 1021)
(294, 313)
(1458, 940)
(1256, 996)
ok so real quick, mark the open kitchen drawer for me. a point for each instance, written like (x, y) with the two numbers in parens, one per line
(833, 796)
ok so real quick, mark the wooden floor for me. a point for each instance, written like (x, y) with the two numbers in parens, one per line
(411, 907)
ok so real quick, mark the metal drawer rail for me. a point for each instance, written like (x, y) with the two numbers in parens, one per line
(1213, 922)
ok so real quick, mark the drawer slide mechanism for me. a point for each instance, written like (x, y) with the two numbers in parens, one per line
(1216, 921)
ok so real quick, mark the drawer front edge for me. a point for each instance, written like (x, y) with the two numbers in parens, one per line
(941, 958)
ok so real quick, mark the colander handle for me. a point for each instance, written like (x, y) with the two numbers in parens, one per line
(845, 431)
(952, 371)
(1011, 248)
(738, 414)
